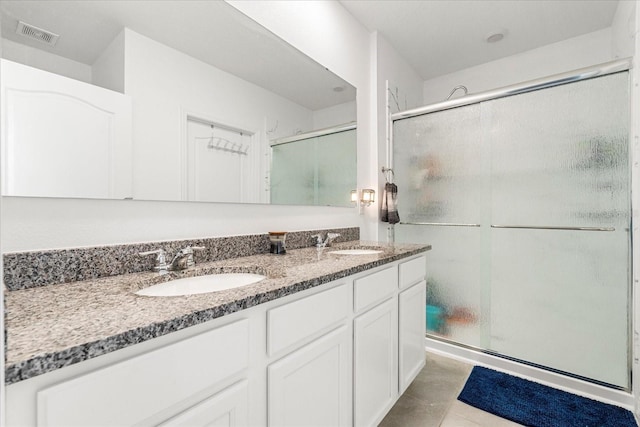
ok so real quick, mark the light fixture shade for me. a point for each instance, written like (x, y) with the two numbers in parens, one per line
(354, 196)
(368, 196)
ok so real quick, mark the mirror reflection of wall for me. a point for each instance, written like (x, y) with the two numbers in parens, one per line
(224, 69)
(314, 169)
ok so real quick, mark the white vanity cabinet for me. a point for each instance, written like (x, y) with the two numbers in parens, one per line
(145, 388)
(411, 320)
(311, 384)
(375, 345)
(338, 354)
(228, 408)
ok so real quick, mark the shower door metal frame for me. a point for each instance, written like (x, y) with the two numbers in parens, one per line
(519, 88)
(586, 73)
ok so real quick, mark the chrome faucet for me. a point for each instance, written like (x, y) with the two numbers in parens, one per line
(182, 260)
(161, 260)
(327, 242)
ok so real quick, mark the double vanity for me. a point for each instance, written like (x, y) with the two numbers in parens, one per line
(327, 337)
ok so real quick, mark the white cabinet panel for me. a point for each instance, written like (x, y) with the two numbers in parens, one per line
(225, 409)
(374, 288)
(131, 391)
(292, 324)
(412, 271)
(411, 344)
(311, 387)
(375, 363)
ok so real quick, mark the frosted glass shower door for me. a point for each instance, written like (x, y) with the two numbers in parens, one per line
(317, 171)
(560, 227)
(294, 175)
(441, 170)
(336, 159)
(525, 201)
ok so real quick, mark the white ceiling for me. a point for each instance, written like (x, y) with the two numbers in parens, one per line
(442, 36)
(211, 31)
(435, 36)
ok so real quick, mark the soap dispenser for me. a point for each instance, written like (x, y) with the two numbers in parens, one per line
(277, 240)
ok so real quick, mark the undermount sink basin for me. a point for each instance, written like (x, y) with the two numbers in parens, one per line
(356, 252)
(201, 284)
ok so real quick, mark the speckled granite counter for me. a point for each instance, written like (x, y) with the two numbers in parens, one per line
(55, 326)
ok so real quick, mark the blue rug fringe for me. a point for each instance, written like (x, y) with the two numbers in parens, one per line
(535, 405)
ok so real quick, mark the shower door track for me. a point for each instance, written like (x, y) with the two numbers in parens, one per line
(529, 86)
(527, 363)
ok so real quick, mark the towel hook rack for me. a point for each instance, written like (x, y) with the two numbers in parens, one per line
(223, 144)
(388, 174)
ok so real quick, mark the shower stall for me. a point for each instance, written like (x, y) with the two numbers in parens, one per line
(524, 195)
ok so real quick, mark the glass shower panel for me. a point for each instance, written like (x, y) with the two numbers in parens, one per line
(317, 171)
(560, 155)
(294, 175)
(441, 169)
(559, 159)
(336, 157)
(559, 299)
(456, 298)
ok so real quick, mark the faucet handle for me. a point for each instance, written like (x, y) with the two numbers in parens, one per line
(330, 238)
(161, 260)
(318, 238)
(188, 252)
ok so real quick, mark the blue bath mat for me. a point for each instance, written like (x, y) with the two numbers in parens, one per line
(536, 405)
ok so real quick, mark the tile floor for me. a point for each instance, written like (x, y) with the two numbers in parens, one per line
(431, 400)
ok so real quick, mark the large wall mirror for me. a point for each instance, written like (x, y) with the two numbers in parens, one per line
(168, 100)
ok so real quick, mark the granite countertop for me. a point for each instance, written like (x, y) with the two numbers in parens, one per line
(54, 326)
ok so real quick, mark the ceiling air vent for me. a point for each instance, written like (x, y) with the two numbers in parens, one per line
(36, 33)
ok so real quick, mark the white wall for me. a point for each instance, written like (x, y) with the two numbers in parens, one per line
(30, 224)
(37, 58)
(108, 69)
(589, 49)
(335, 115)
(625, 26)
(623, 29)
(405, 92)
(66, 223)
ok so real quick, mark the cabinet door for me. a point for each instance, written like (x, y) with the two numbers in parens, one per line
(411, 333)
(375, 363)
(227, 408)
(311, 387)
(137, 389)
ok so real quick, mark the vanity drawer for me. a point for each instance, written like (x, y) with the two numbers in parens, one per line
(412, 271)
(374, 288)
(292, 324)
(120, 394)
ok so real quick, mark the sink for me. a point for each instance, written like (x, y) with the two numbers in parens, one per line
(201, 284)
(356, 252)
